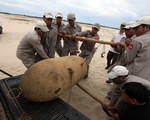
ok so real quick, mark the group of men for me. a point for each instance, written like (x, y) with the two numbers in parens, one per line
(45, 40)
(130, 74)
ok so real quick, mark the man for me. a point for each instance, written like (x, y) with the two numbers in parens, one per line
(88, 48)
(119, 76)
(137, 96)
(51, 35)
(50, 38)
(70, 44)
(138, 54)
(130, 35)
(113, 53)
(30, 44)
(58, 24)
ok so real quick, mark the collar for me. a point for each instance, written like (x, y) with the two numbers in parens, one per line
(56, 23)
(75, 25)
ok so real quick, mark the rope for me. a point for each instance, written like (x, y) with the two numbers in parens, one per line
(11, 91)
(71, 75)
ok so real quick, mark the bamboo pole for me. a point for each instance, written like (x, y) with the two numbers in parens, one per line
(94, 97)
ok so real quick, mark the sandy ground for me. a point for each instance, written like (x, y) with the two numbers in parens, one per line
(14, 28)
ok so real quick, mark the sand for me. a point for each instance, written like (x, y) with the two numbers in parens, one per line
(14, 28)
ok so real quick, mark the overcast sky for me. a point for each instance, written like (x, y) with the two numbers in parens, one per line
(106, 12)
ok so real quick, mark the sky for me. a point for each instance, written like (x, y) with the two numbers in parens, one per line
(109, 13)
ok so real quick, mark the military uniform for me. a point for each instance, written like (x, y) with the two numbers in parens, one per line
(59, 27)
(29, 45)
(48, 42)
(138, 56)
(70, 45)
(87, 48)
(121, 58)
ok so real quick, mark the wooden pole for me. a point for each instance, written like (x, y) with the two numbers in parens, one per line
(94, 97)
(95, 41)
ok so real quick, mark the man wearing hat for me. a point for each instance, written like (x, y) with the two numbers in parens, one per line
(70, 44)
(113, 53)
(137, 96)
(50, 38)
(58, 24)
(130, 35)
(138, 53)
(88, 48)
(119, 75)
(30, 44)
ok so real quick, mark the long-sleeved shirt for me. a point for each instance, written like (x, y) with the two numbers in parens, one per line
(72, 44)
(49, 42)
(138, 56)
(86, 46)
(59, 28)
(116, 98)
(29, 45)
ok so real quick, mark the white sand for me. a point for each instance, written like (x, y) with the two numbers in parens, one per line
(14, 28)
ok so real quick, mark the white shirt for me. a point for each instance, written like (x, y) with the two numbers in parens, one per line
(116, 38)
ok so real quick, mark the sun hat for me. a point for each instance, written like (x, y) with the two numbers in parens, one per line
(59, 15)
(129, 25)
(142, 20)
(42, 25)
(71, 16)
(96, 25)
(48, 15)
(117, 71)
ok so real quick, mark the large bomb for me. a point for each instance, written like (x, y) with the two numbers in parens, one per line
(50, 78)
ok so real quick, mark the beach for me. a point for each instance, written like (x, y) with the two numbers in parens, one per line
(16, 26)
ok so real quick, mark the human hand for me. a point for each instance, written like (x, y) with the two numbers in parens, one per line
(113, 44)
(127, 41)
(112, 109)
(64, 33)
(114, 116)
(73, 35)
